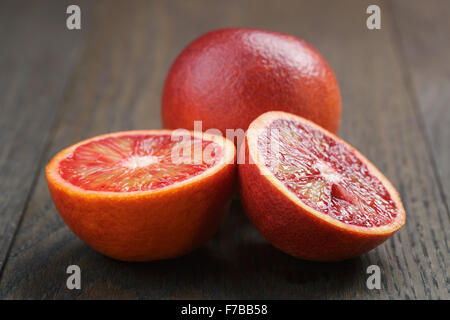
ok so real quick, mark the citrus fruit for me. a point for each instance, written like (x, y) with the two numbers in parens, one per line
(144, 195)
(228, 77)
(311, 194)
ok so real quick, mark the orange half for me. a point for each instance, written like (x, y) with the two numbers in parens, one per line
(144, 195)
(313, 195)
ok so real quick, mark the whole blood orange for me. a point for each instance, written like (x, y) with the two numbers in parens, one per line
(311, 194)
(144, 195)
(228, 77)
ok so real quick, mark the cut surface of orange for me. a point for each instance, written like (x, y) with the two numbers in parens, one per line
(323, 199)
(136, 162)
(144, 195)
(326, 175)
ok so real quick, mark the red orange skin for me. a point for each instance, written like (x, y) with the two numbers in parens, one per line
(156, 227)
(293, 229)
(150, 226)
(228, 77)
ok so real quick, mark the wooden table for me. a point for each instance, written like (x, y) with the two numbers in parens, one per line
(59, 86)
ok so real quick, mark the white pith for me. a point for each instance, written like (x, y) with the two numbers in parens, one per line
(139, 161)
(328, 173)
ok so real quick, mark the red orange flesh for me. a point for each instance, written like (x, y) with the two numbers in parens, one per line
(313, 195)
(125, 196)
(133, 163)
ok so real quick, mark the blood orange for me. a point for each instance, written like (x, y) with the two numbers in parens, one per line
(228, 77)
(141, 195)
(311, 194)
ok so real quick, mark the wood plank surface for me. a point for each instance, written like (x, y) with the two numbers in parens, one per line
(36, 56)
(116, 85)
(423, 34)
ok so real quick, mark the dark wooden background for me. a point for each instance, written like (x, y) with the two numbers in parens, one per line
(59, 86)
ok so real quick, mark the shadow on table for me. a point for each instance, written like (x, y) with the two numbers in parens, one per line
(236, 263)
(239, 263)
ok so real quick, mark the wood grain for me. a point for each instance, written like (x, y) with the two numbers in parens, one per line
(424, 48)
(36, 56)
(116, 85)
